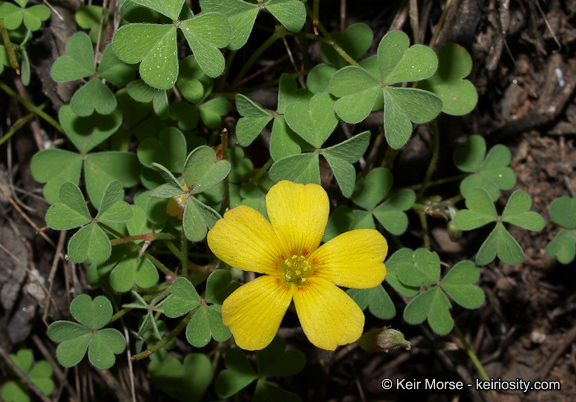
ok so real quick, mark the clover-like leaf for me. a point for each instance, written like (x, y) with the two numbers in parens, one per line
(132, 271)
(402, 106)
(39, 373)
(205, 325)
(198, 218)
(32, 16)
(301, 168)
(358, 88)
(154, 47)
(315, 121)
(78, 61)
(434, 306)
(71, 212)
(169, 150)
(399, 261)
(371, 190)
(206, 33)
(425, 269)
(400, 62)
(237, 375)
(188, 380)
(219, 286)
(253, 120)
(480, 212)
(211, 112)
(202, 171)
(290, 13)
(563, 212)
(459, 96)
(275, 360)
(355, 41)
(240, 14)
(184, 298)
(490, 173)
(75, 339)
(391, 213)
(89, 244)
(517, 212)
(94, 96)
(376, 300)
(169, 8)
(500, 243)
(87, 132)
(563, 246)
(459, 284)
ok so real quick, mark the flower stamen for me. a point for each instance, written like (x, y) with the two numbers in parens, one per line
(296, 269)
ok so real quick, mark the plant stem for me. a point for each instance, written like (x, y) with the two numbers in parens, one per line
(8, 47)
(31, 107)
(22, 122)
(184, 252)
(471, 354)
(254, 57)
(433, 160)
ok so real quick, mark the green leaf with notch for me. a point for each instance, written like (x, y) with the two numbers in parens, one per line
(481, 211)
(132, 271)
(301, 168)
(237, 375)
(500, 243)
(315, 121)
(253, 120)
(459, 96)
(240, 14)
(563, 246)
(32, 17)
(75, 339)
(154, 47)
(78, 61)
(198, 219)
(183, 300)
(517, 212)
(490, 172)
(206, 33)
(71, 212)
(424, 270)
(206, 324)
(290, 13)
(376, 300)
(169, 150)
(87, 132)
(399, 261)
(434, 306)
(459, 285)
(202, 172)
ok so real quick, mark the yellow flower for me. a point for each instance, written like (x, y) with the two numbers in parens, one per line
(287, 252)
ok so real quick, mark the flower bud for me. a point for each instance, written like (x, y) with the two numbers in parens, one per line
(382, 340)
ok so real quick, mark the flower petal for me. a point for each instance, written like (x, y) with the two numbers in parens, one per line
(245, 239)
(329, 317)
(298, 214)
(353, 259)
(255, 310)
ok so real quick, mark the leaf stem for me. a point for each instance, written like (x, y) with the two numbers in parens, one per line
(163, 342)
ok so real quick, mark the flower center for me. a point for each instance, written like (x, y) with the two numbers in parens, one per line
(296, 269)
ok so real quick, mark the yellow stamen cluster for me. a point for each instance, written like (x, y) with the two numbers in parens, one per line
(296, 269)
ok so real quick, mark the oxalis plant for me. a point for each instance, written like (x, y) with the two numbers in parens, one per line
(155, 154)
